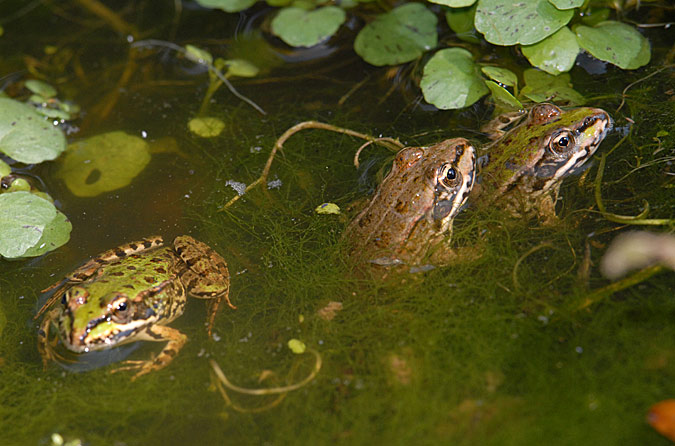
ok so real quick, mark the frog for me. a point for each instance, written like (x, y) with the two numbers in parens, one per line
(526, 164)
(409, 219)
(131, 293)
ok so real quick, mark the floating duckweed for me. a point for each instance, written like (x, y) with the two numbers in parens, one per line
(327, 208)
(297, 346)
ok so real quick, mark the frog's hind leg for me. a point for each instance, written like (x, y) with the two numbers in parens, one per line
(91, 267)
(207, 276)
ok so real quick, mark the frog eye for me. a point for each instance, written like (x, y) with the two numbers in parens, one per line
(121, 311)
(562, 142)
(448, 175)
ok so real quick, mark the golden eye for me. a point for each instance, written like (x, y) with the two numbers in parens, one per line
(448, 175)
(562, 142)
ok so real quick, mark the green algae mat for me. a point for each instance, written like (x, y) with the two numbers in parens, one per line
(170, 109)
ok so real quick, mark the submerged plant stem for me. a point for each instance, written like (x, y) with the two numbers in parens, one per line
(271, 390)
(598, 295)
(115, 21)
(626, 219)
(282, 391)
(262, 179)
(207, 64)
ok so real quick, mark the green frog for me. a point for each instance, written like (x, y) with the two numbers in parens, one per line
(527, 163)
(409, 219)
(132, 293)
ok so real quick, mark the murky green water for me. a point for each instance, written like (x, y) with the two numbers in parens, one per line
(485, 352)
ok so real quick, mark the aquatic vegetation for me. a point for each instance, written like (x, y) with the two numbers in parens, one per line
(494, 351)
(221, 383)
(550, 34)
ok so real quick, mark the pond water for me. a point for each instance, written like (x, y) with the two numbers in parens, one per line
(489, 351)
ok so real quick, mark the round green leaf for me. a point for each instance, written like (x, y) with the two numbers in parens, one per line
(502, 75)
(454, 3)
(55, 234)
(103, 163)
(206, 127)
(26, 136)
(227, 5)
(540, 87)
(298, 27)
(401, 35)
(555, 54)
(616, 43)
(567, 4)
(503, 97)
(451, 79)
(508, 22)
(23, 218)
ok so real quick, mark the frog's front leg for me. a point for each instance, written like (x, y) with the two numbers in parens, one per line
(45, 346)
(176, 341)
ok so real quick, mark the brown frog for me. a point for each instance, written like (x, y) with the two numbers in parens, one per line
(409, 219)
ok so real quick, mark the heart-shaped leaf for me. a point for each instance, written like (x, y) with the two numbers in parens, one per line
(398, 36)
(616, 43)
(451, 79)
(26, 136)
(507, 22)
(555, 54)
(23, 217)
(298, 27)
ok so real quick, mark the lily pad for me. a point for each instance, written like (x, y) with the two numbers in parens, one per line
(298, 27)
(23, 218)
(55, 234)
(103, 163)
(616, 43)
(541, 87)
(206, 127)
(227, 5)
(451, 79)
(26, 136)
(567, 4)
(454, 3)
(555, 54)
(398, 36)
(501, 75)
(507, 22)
